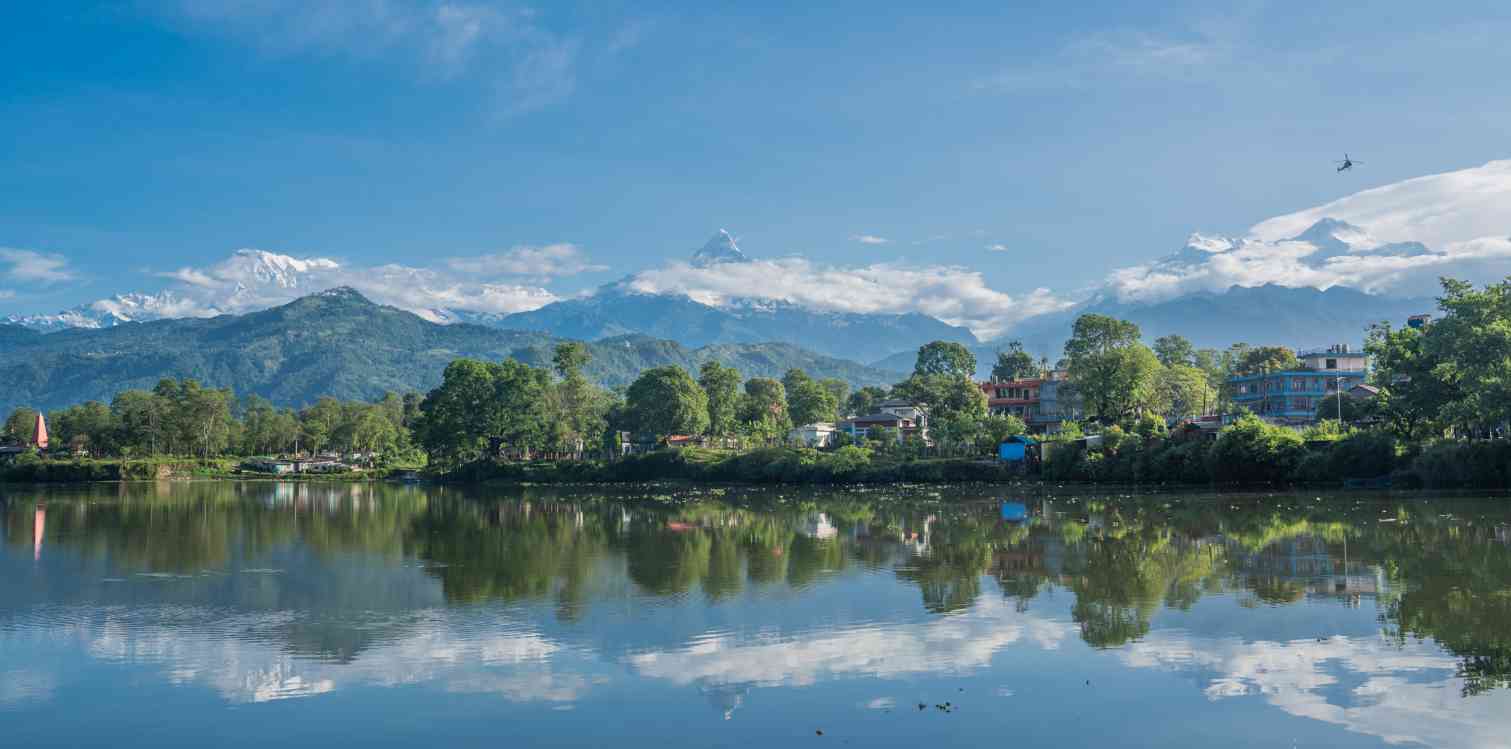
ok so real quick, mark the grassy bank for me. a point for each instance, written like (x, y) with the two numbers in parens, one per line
(1249, 453)
(848, 465)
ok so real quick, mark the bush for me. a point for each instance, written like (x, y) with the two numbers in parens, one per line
(1364, 455)
(1485, 465)
(1250, 451)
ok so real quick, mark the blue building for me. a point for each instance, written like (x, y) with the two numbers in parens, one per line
(1292, 396)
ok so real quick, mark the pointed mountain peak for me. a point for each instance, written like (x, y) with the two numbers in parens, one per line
(1335, 237)
(721, 248)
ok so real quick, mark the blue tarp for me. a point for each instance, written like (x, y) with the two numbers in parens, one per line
(1014, 512)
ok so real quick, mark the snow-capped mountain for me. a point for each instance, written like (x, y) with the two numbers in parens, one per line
(249, 280)
(108, 313)
(622, 308)
(721, 248)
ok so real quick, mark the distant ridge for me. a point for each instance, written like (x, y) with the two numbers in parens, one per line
(338, 343)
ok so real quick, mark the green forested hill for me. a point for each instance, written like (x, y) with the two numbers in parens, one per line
(335, 343)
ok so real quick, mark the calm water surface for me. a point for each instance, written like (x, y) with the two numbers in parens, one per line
(297, 615)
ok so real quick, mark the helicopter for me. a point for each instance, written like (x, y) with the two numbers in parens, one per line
(1347, 163)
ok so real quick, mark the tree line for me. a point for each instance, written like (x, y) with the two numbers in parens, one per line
(185, 418)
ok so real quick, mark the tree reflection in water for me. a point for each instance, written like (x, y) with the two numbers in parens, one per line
(1441, 569)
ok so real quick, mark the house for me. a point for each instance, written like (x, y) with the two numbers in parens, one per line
(1037, 401)
(1292, 396)
(268, 465)
(1363, 392)
(10, 452)
(818, 434)
(898, 419)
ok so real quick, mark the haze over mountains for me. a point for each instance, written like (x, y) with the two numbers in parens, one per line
(1317, 276)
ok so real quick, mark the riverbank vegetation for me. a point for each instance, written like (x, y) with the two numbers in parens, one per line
(1438, 416)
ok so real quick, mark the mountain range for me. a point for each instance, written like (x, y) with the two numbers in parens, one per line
(1310, 278)
(336, 343)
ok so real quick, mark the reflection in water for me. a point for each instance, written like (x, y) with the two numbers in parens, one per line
(1384, 618)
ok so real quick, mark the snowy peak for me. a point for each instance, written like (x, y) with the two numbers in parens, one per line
(260, 268)
(721, 248)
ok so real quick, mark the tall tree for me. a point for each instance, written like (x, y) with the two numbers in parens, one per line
(666, 400)
(722, 386)
(810, 402)
(863, 401)
(1472, 342)
(1112, 373)
(945, 396)
(1184, 391)
(1174, 350)
(945, 358)
(20, 426)
(1014, 364)
(1413, 391)
(837, 388)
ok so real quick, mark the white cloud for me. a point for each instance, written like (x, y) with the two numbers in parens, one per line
(527, 64)
(1298, 676)
(869, 239)
(1085, 60)
(996, 247)
(954, 294)
(550, 261)
(30, 265)
(1437, 210)
(954, 644)
(1399, 238)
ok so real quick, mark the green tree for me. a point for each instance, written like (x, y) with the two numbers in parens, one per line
(722, 386)
(1111, 372)
(1014, 364)
(1184, 391)
(945, 396)
(20, 426)
(945, 358)
(1352, 409)
(811, 402)
(837, 388)
(666, 400)
(1267, 359)
(863, 401)
(479, 400)
(1413, 394)
(580, 407)
(1472, 346)
(142, 419)
(1174, 350)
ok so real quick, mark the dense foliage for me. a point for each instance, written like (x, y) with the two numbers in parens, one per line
(184, 418)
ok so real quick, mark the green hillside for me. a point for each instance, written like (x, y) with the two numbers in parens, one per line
(335, 343)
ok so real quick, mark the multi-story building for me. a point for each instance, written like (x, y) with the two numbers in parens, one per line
(1036, 400)
(1292, 396)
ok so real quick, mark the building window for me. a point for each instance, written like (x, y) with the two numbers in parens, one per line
(1332, 363)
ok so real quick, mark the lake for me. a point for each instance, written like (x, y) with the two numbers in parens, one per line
(300, 614)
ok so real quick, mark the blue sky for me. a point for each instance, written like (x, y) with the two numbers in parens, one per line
(139, 138)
